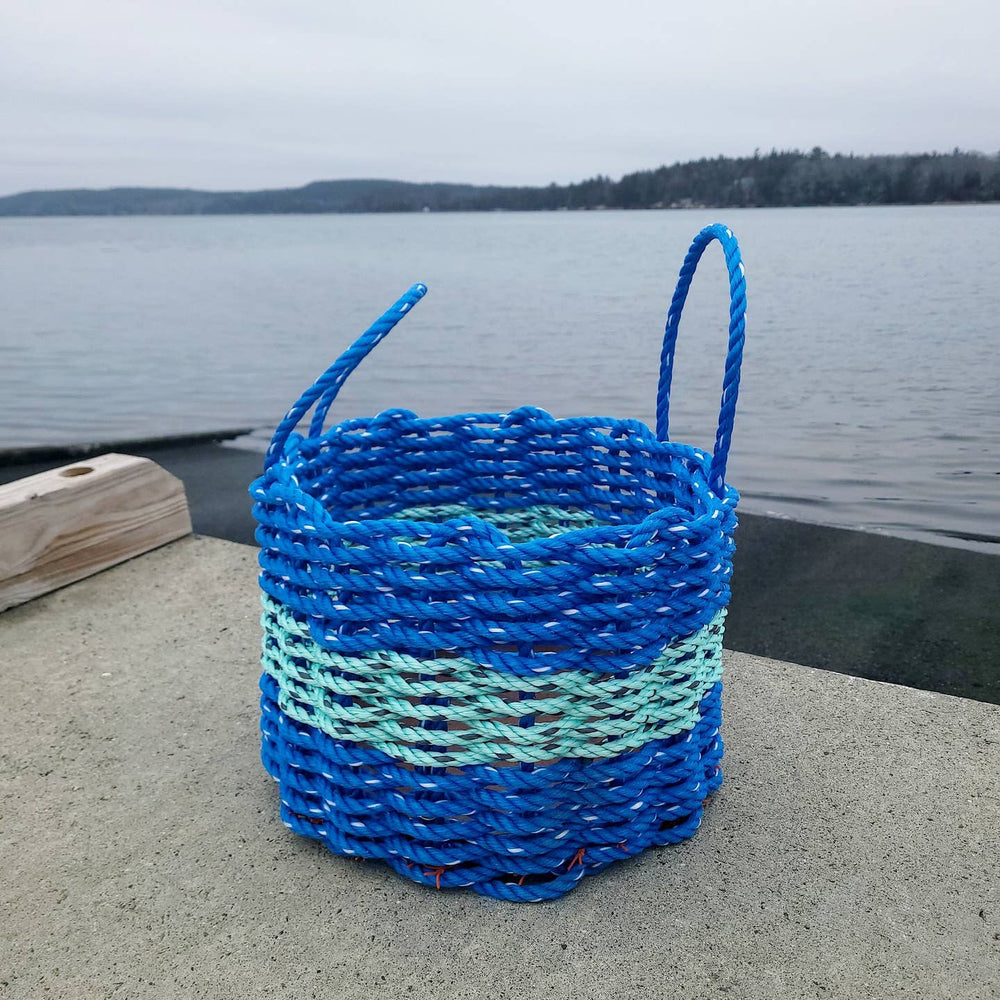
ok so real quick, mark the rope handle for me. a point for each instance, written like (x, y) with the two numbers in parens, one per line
(734, 357)
(324, 390)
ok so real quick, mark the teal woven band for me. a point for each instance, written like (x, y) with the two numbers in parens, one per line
(522, 524)
(389, 701)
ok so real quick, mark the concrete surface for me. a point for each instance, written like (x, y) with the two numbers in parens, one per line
(884, 608)
(852, 851)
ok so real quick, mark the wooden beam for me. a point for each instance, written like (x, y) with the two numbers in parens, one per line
(63, 525)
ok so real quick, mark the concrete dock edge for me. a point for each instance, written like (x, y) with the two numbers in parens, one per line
(851, 852)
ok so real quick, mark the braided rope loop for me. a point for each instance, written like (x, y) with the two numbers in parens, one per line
(325, 388)
(734, 356)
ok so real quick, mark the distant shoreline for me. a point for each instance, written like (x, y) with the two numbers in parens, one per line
(790, 179)
(483, 211)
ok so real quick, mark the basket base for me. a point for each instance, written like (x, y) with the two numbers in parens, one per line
(524, 834)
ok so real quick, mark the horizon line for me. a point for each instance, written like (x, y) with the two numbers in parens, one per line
(757, 154)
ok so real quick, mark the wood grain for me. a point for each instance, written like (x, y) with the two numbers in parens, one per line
(63, 525)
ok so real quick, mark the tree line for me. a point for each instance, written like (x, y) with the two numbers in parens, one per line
(778, 178)
(790, 178)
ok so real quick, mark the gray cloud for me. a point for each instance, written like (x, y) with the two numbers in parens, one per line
(251, 94)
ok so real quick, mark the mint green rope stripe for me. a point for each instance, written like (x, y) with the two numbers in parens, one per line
(393, 698)
(578, 713)
(461, 677)
(520, 525)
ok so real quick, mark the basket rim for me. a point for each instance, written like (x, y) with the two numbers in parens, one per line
(300, 453)
(521, 416)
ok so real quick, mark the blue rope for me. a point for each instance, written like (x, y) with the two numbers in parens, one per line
(615, 595)
(734, 356)
(326, 387)
(637, 558)
(509, 833)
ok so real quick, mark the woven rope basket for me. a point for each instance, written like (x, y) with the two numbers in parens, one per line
(492, 642)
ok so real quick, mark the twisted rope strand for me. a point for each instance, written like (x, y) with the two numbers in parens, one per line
(734, 355)
(669, 782)
(492, 642)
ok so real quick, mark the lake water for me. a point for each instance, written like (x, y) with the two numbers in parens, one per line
(869, 394)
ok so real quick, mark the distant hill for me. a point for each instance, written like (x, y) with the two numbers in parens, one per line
(772, 179)
(320, 196)
(113, 201)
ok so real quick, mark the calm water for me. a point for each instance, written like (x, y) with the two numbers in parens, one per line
(869, 394)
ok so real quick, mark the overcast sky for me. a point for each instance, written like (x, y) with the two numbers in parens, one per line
(249, 94)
